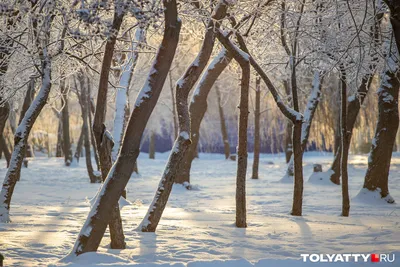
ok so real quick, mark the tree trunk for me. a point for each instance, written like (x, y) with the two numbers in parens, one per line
(174, 117)
(4, 149)
(79, 145)
(182, 143)
(224, 132)
(59, 146)
(242, 146)
(21, 139)
(152, 145)
(344, 136)
(257, 113)
(376, 178)
(122, 103)
(91, 109)
(30, 94)
(288, 128)
(118, 177)
(65, 125)
(198, 107)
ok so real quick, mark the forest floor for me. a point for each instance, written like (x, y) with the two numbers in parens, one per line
(51, 202)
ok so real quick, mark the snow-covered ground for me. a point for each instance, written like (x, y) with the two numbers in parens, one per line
(197, 229)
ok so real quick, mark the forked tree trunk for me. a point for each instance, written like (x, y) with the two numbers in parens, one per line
(344, 137)
(65, 125)
(99, 129)
(21, 139)
(356, 101)
(376, 178)
(122, 103)
(257, 113)
(243, 59)
(152, 145)
(222, 121)
(198, 107)
(182, 143)
(93, 230)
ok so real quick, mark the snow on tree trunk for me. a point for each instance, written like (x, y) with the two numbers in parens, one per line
(182, 143)
(21, 139)
(102, 141)
(309, 112)
(65, 125)
(198, 107)
(376, 178)
(121, 103)
(93, 230)
(257, 112)
(224, 131)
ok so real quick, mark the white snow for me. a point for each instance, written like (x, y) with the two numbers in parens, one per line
(197, 228)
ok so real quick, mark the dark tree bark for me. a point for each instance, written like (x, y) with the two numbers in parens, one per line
(30, 94)
(65, 125)
(93, 230)
(21, 139)
(224, 131)
(79, 145)
(99, 129)
(394, 7)
(182, 143)
(4, 149)
(198, 107)
(174, 117)
(91, 109)
(257, 113)
(59, 146)
(288, 128)
(152, 145)
(376, 178)
(243, 59)
(344, 136)
(83, 101)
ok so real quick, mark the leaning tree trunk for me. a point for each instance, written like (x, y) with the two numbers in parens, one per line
(376, 178)
(65, 125)
(99, 129)
(93, 230)
(344, 137)
(224, 131)
(182, 143)
(21, 139)
(198, 107)
(257, 113)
